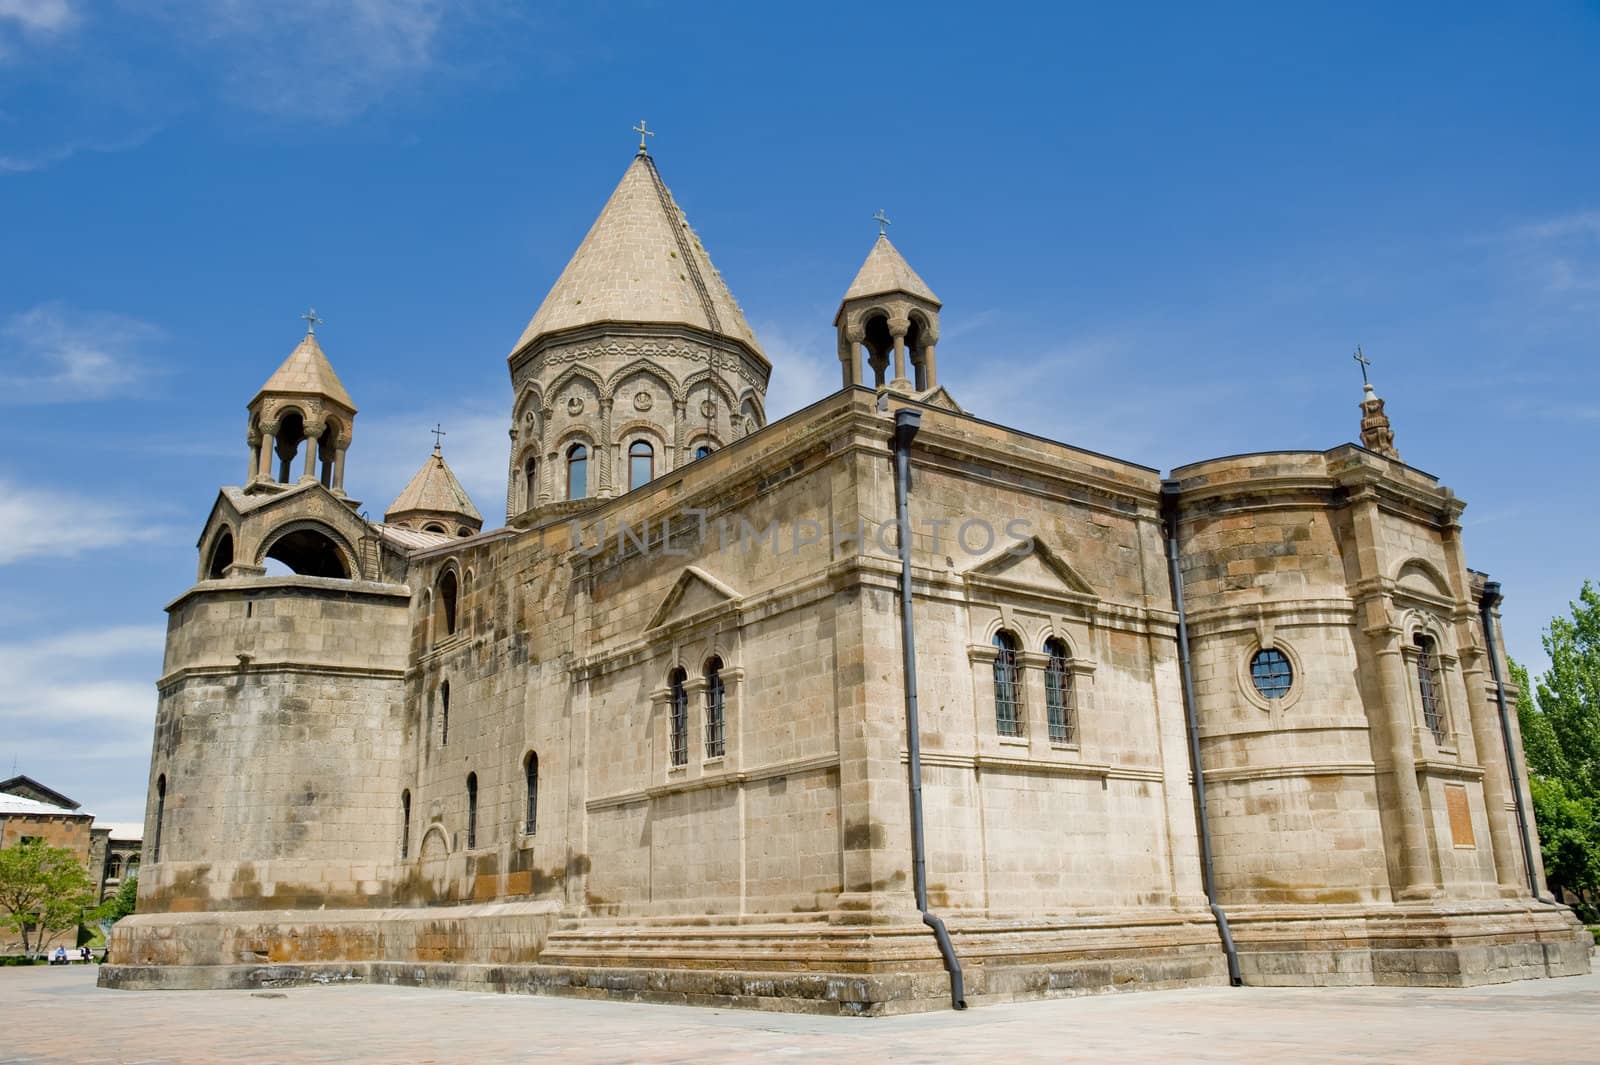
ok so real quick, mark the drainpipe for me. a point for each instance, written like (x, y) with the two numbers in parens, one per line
(1491, 599)
(906, 424)
(1169, 504)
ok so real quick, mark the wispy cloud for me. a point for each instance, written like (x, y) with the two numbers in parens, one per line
(28, 162)
(388, 450)
(804, 366)
(1560, 255)
(83, 699)
(319, 59)
(34, 20)
(54, 354)
(42, 523)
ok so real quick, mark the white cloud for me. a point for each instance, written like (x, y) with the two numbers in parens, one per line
(320, 59)
(77, 710)
(51, 354)
(28, 162)
(1560, 256)
(804, 367)
(41, 523)
(40, 16)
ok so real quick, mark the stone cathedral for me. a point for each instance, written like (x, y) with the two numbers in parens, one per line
(647, 737)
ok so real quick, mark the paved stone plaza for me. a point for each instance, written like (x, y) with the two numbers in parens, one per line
(58, 1015)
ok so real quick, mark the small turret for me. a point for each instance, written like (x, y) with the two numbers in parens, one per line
(302, 402)
(1376, 434)
(435, 502)
(889, 309)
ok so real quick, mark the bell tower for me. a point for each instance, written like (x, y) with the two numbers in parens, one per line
(888, 311)
(303, 404)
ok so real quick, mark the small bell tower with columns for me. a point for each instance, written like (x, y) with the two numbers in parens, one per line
(888, 313)
(302, 405)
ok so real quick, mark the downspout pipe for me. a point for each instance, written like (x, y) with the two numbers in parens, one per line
(1169, 507)
(1490, 599)
(906, 424)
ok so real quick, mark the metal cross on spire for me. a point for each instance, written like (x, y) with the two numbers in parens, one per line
(437, 431)
(883, 223)
(643, 132)
(1365, 362)
(311, 320)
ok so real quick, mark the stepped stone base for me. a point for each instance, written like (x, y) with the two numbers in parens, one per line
(820, 966)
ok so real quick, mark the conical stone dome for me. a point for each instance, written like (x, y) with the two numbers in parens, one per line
(434, 496)
(640, 262)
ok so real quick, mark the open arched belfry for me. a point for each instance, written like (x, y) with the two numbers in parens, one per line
(650, 737)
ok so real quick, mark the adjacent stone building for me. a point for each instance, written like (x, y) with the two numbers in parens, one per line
(648, 738)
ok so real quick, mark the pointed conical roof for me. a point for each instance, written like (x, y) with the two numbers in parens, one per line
(885, 271)
(435, 490)
(640, 262)
(307, 371)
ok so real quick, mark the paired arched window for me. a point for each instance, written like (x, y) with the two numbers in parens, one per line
(641, 464)
(444, 713)
(530, 775)
(161, 816)
(716, 726)
(680, 716)
(1007, 685)
(405, 823)
(577, 472)
(1060, 703)
(1429, 686)
(472, 810)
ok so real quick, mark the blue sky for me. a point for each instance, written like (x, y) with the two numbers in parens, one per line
(1158, 232)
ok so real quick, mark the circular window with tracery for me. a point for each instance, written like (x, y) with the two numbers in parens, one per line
(1271, 673)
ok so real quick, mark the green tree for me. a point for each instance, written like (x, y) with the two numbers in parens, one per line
(122, 903)
(44, 892)
(1560, 720)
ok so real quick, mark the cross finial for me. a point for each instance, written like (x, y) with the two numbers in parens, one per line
(883, 222)
(643, 132)
(437, 431)
(311, 320)
(1365, 362)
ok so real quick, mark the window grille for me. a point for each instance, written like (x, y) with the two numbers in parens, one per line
(716, 733)
(405, 823)
(1428, 685)
(1271, 673)
(1059, 696)
(1007, 686)
(531, 773)
(680, 718)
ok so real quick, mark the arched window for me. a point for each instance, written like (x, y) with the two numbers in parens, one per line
(577, 472)
(433, 527)
(1428, 684)
(291, 434)
(472, 810)
(702, 450)
(641, 464)
(444, 714)
(530, 774)
(405, 823)
(1007, 685)
(716, 730)
(221, 556)
(161, 816)
(1060, 703)
(309, 553)
(530, 482)
(133, 868)
(680, 717)
(114, 867)
(449, 586)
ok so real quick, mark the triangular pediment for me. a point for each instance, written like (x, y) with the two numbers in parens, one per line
(694, 592)
(1032, 565)
(941, 397)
